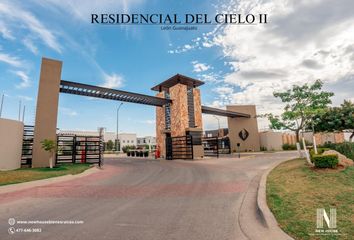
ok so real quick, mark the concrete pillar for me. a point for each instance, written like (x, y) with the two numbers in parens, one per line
(47, 109)
(236, 125)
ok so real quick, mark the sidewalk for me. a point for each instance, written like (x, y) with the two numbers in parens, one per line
(42, 182)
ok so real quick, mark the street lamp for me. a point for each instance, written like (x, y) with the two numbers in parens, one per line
(117, 126)
(218, 124)
(2, 102)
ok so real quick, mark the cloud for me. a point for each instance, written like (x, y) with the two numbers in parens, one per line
(303, 41)
(30, 45)
(343, 89)
(182, 49)
(150, 122)
(11, 60)
(200, 67)
(5, 32)
(25, 98)
(210, 122)
(24, 78)
(82, 11)
(15, 15)
(68, 111)
(210, 77)
(112, 81)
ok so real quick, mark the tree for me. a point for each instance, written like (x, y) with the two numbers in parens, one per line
(302, 104)
(337, 119)
(49, 146)
(109, 145)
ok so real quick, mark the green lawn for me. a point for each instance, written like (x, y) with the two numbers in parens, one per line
(294, 192)
(30, 174)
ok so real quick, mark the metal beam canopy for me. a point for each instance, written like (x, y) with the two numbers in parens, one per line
(112, 94)
(118, 95)
(224, 113)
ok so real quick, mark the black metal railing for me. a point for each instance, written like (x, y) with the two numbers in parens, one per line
(179, 147)
(215, 146)
(27, 145)
(79, 149)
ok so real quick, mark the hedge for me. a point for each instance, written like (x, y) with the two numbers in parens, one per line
(346, 148)
(319, 151)
(325, 161)
(287, 146)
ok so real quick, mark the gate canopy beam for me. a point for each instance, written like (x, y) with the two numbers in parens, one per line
(112, 94)
(224, 113)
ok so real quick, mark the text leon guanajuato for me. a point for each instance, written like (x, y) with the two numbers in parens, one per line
(175, 19)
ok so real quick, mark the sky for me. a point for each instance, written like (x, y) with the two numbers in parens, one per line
(303, 41)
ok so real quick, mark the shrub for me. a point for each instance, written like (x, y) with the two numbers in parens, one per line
(325, 161)
(319, 151)
(287, 146)
(264, 148)
(126, 148)
(329, 145)
(346, 148)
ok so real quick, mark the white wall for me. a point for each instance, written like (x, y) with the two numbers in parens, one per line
(11, 135)
(271, 140)
(126, 139)
(347, 136)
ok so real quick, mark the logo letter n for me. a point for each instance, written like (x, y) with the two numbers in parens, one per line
(330, 221)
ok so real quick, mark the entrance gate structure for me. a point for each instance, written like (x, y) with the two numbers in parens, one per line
(215, 146)
(178, 112)
(179, 147)
(79, 149)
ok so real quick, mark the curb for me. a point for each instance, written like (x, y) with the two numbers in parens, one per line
(266, 215)
(37, 183)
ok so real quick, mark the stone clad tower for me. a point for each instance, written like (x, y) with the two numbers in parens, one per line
(183, 116)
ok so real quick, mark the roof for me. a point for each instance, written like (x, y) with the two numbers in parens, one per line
(222, 112)
(112, 94)
(178, 78)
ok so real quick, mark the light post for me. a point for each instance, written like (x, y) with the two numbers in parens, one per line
(19, 111)
(117, 126)
(2, 102)
(218, 124)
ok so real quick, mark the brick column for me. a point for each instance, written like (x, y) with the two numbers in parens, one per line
(160, 126)
(179, 110)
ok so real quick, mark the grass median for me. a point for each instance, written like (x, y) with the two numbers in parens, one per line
(31, 174)
(295, 191)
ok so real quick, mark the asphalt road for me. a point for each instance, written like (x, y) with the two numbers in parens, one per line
(140, 199)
